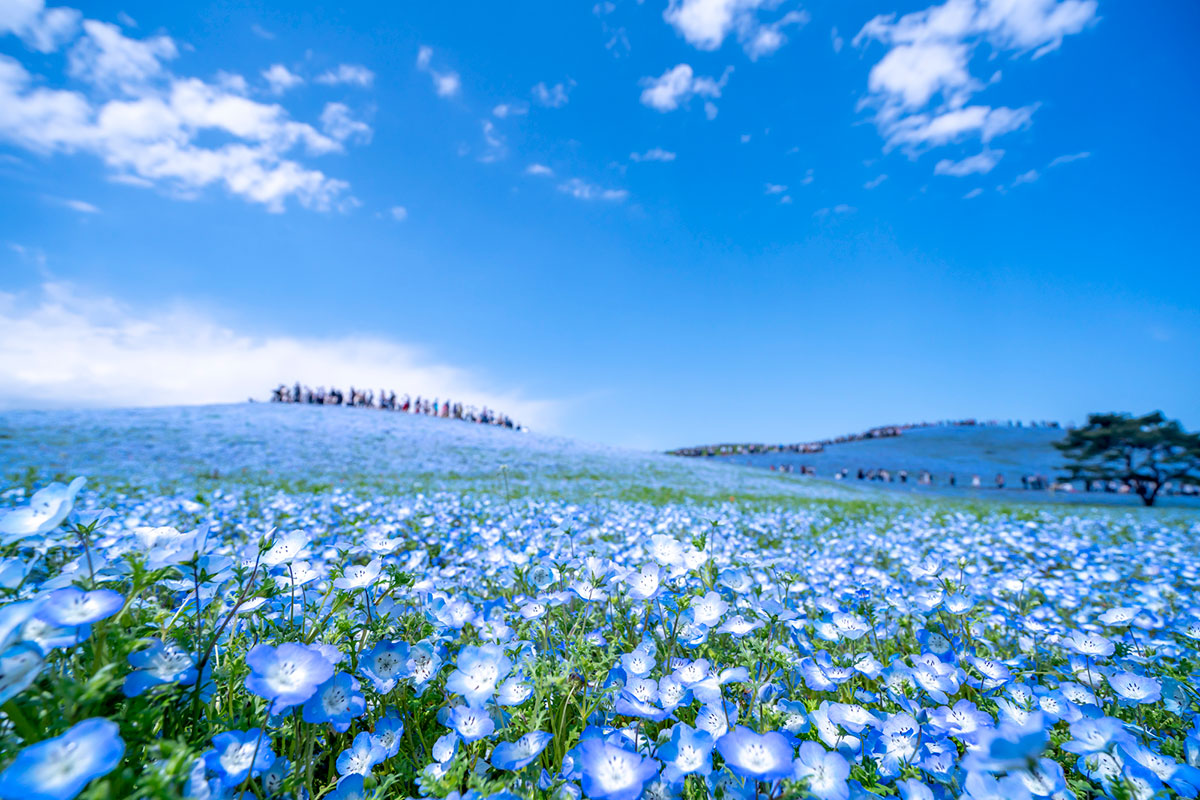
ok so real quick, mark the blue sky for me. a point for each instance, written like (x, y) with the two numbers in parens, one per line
(654, 223)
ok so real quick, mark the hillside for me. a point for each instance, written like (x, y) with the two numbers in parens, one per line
(298, 446)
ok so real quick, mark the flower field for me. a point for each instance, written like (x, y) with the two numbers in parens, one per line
(202, 618)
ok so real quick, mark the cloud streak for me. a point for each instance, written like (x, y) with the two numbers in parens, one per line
(66, 349)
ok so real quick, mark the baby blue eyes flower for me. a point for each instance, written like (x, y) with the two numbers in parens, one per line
(59, 768)
(689, 752)
(1090, 645)
(644, 585)
(47, 509)
(287, 675)
(472, 724)
(611, 773)
(358, 576)
(361, 756)
(513, 756)
(1135, 689)
(71, 607)
(19, 667)
(763, 757)
(238, 754)
(337, 701)
(824, 773)
(349, 788)
(158, 665)
(478, 671)
(387, 733)
(385, 665)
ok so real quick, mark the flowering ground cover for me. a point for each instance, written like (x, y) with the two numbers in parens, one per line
(584, 622)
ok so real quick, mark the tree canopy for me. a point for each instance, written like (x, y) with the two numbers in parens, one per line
(1146, 452)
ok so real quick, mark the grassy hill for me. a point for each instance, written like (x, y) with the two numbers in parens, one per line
(299, 447)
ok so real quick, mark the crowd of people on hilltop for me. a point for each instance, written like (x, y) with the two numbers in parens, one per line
(388, 401)
(1033, 481)
(881, 432)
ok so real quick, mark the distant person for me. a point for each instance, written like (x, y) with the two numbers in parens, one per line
(999, 480)
(953, 480)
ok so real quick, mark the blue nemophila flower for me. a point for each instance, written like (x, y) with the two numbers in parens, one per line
(336, 701)
(981, 786)
(387, 733)
(238, 754)
(452, 612)
(477, 672)
(1183, 778)
(48, 507)
(1136, 689)
(759, 756)
(513, 756)
(824, 773)
(359, 576)
(361, 756)
(688, 752)
(1007, 747)
(71, 607)
(1090, 645)
(645, 585)
(59, 768)
(158, 665)
(470, 723)
(349, 787)
(385, 665)
(424, 663)
(513, 692)
(273, 778)
(19, 667)
(960, 722)
(612, 773)
(287, 675)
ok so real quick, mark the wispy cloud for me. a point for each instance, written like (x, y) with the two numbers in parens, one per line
(349, 74)
(539, 169)
(705, 24)
(874, 182)
(65, 347)
(552, 96)
(582, 190)
(81, 206)
(653, 154)
(1067, 159)
(979, 164)
(678, 85)
(445, 84)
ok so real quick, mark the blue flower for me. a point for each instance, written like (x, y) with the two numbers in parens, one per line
(1135, 689)
(48, 507)
(72, 607)
(1096, 735)
(513, 756)
(470, 723)
(158, 665)
(477, 672)
(336, 701)
(761, 756)
(348, 788)
(19, 667)
(287, 675)
(611, 773)
(358, 576)
(688, 752)
(824, 773)
(238, 754)
(362, 754)
(424, 663)
(387, 733)
(59, 768)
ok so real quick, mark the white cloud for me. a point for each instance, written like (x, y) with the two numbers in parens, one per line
(678, 85)
(445, 84)
(551, 96)
(1026, 177)
(840, 209)
(504, 110)
(261, 32)
(874, 182)
(399, 213)
(337, 122)
(582, 190)
(539, 169)
(1067, 159)
(836, 40)
(925, 75)
(107, 58)
(70, 349)
(775, 188)
(705, 24)
(349, 74)
(495, 148)
(40, 28)
(280, 78)
(979, 164)
(81, 206)
(653, 154)
(917, 132)
(151, 127)
(971, 195)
